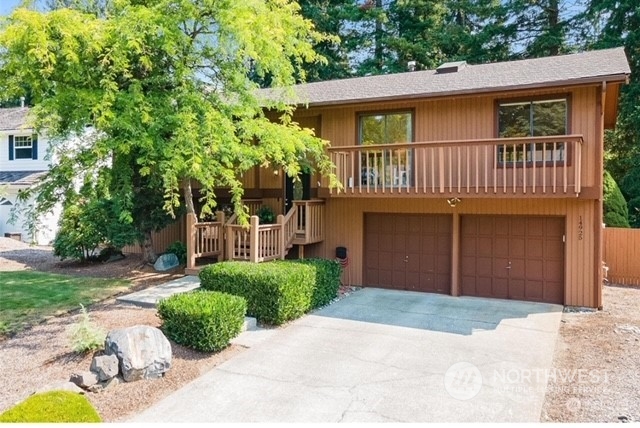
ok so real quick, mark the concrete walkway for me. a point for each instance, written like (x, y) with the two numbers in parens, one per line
(149, 297)
(381, 355)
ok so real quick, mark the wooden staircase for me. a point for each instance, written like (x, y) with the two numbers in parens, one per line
(227, 240)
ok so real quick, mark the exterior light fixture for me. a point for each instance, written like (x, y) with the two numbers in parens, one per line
(453, 202)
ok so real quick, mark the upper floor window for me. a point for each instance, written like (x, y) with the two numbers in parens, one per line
(388, 167)
(537, 118)
(387, 128)
(23, 147)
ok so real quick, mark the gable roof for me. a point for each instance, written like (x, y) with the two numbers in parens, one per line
(13, 118)
(586, 67)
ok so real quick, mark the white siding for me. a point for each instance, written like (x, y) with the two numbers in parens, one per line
(22, 164)
(46, 231)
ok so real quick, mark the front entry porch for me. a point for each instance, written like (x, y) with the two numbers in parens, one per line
(225, 239)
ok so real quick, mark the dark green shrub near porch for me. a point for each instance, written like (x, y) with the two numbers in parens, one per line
(327, 281)
(276, 292)
(203, 320)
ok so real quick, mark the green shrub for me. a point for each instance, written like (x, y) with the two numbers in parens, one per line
(276, 292)
(616, 212)
(327, 281)
(202, 320)
(180, 250)
(85, 335)
(266, 215)
(54, 406)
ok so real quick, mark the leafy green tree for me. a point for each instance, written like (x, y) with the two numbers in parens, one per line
(166, 86)
(616, 213)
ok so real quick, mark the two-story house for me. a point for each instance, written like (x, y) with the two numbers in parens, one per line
(22, 163)
(473, 180)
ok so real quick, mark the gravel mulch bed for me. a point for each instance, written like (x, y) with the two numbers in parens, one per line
(42, 356)
(601, 351)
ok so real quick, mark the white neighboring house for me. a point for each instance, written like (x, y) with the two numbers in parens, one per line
(22, 164)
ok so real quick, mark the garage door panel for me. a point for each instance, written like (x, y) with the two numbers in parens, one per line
(515, 289)
(418, 253)
(516, 257)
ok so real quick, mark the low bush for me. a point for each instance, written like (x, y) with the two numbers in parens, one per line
(178, 248)
(327, 280)
(203, 320)
(276, 292)
(54, 406)
(85, 335)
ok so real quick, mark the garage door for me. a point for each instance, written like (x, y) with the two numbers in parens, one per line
(408, 252)
(513, 257)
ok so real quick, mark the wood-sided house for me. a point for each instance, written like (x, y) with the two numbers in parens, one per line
(475, 180)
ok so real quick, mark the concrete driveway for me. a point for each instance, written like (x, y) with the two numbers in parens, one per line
(381, 355)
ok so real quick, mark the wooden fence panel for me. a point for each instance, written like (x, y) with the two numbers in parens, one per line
(621, 253)
(163, 238)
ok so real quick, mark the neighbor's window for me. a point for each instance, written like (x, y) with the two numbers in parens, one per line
(23, 147)
(533, 118)
(389, 167)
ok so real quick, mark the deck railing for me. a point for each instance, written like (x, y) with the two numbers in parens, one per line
(309, 221)
(513, 166)
(303, 224)
(205, 239)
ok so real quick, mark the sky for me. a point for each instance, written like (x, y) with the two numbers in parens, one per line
(6, 6)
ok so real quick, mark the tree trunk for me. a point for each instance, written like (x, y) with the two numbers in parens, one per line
(149, 253)
(188, 198)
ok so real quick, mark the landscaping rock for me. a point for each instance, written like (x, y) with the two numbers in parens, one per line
(143, 352)
(61, 386)
(84, 379)
(114, 381)
(105, 366)
(166, 262)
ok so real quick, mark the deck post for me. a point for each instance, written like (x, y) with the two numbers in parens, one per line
(220, 218)
(254, 239)
(455, 256)
(281, 242)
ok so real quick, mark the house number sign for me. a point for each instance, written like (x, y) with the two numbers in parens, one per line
(580, 229)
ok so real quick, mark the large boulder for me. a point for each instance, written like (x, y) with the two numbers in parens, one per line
(143, 352)
(166, 262)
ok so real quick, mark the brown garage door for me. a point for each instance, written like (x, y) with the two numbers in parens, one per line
(513, 257)
(408, 252)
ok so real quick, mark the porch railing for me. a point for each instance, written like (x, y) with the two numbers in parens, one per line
(516, 166)
(205, 239)
(309, 221)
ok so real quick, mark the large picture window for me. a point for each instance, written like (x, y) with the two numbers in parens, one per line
(533, 119)
(391, 167)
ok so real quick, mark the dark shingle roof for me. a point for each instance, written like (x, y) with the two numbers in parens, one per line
(26, 178)
(601, 65)
(13, 118)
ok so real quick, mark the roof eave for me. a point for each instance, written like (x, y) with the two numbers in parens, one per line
(613, 78)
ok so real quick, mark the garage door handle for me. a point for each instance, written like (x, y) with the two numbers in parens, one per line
(406, 259)
(509, 267)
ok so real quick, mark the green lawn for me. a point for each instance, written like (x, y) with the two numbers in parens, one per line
(27, 297)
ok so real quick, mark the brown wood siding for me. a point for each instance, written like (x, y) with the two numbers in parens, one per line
(163, 238)
(345, 227)
(622, 255)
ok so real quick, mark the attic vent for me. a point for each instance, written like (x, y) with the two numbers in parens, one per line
(451, 67)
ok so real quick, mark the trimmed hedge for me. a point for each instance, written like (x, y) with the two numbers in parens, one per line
(53, 406)
(327, 281)
(203, 320)
(276, 292)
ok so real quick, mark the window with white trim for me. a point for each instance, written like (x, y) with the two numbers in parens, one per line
(23, 147)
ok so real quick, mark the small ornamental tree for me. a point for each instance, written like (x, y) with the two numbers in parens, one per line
(166, 86)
